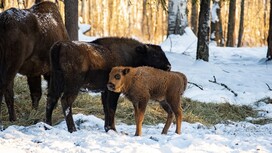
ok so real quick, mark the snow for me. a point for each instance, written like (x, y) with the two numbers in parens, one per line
(244, 70)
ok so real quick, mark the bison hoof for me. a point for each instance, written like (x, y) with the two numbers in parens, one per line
(107, 128)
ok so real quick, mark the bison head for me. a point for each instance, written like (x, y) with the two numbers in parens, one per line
(116, 79)
(153, 55)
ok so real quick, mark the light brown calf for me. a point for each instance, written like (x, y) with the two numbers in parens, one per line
(141, 84)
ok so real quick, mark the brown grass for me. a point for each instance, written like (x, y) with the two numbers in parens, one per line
(205, 113)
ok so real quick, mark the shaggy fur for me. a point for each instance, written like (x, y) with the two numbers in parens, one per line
(78, 64)
(141, 84)
(25, 40)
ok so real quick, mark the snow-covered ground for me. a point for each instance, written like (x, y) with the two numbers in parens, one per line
(243, 70)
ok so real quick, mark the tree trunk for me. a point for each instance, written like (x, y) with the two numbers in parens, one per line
(241, 26)
(203, 31)
(231, 24)
(71, 18)
(1, 5)
(216, 24)
(269, 39)
(194, 16)
(265, 20)
(177, 18)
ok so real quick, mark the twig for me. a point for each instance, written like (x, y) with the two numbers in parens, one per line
(214, 81)
(268, 87)
(200, 87)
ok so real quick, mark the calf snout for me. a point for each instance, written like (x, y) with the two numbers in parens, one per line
(111, 86)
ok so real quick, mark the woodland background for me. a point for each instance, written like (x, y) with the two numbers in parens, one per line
(147, 20)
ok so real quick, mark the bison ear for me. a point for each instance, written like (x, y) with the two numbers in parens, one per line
(141, 49)
(125, 71)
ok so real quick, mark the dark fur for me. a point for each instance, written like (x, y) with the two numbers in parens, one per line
(141, 84)
(78, 64)
(25, 40)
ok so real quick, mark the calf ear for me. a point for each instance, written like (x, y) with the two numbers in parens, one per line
(125, 71)
(141, 49)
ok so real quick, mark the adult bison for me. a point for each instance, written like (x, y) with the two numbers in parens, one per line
(79, 64)
(25, 40)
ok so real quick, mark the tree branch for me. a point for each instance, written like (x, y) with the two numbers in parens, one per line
(268, 87)
(200, 87)
(214, 81)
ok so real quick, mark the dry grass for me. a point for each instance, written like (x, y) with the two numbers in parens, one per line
(205, 113)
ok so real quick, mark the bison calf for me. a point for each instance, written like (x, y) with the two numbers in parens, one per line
(143, 83)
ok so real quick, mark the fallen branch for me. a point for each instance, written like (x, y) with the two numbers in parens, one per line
(268, 87)
(214, 81)
(200, 87)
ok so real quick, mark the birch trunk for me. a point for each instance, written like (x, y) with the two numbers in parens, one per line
(177, 17)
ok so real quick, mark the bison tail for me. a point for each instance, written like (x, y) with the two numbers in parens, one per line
(185, 82)
(56, 85)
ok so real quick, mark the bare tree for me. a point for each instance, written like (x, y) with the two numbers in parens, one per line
(269, 39)
(216, 24)
(1, 5)
(177, 18)
(241, 26)
(203, 31)
(194, 16)
(231, 24)
(71, 18)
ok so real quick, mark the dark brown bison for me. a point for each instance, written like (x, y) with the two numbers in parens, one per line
(141, 84)
(79, 64)
(25, 40)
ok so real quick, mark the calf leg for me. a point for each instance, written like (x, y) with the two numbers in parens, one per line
(139, 110)
(175, 105)
(9, 98)
(34, 84)
(50, 106)
(66, 102)
(170, 116)
(109, 101)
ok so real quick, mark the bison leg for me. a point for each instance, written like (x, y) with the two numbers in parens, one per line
(50, 106)
(9, 94)
(170, 116)
(47, 79)
(109, 101)
(1, 98)
(34, 84)
(105, 108)
(139, 110)
(175, 105)
(66, 102)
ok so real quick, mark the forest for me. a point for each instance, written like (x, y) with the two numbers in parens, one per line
(147, 20)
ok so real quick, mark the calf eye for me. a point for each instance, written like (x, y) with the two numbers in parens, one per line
(117, 76)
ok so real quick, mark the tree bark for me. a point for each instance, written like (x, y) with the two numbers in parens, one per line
(241, 26)
(269, 39)
(216, 24)
(71, 18)
(231, 24)
(203, 31)
(177, 18)
(1, 5)
(194, 16)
